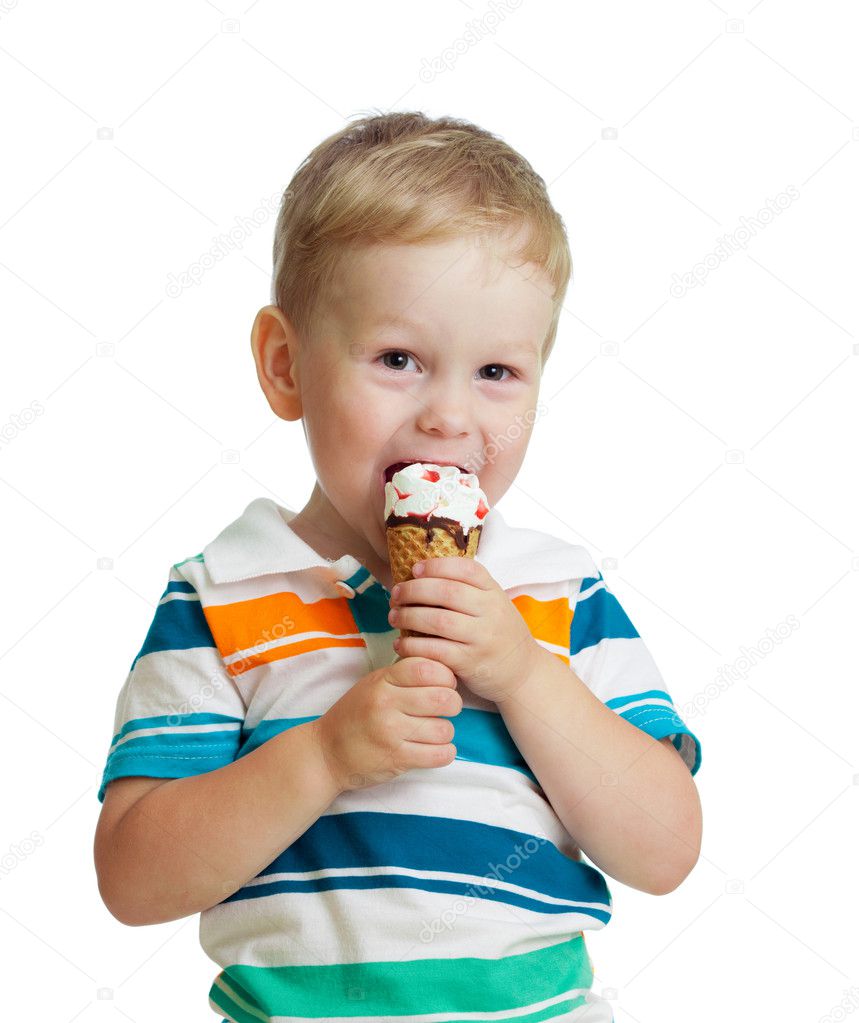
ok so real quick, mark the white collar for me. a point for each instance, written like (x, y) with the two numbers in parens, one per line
(259, 542)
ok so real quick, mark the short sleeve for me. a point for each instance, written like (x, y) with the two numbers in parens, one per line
(609, 656)
(179, 712)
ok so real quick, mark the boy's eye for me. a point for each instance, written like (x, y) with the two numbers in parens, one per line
(497, 366)
(398, 355)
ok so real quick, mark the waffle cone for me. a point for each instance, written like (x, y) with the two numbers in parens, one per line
(409, 543)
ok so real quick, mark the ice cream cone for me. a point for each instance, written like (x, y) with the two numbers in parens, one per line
(408, 544)
(412, 538)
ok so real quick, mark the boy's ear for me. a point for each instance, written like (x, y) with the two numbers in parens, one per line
(274, 343)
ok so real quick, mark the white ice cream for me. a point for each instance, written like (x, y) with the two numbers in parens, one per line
(423, 489)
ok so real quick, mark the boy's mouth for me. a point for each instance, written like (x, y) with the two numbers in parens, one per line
(388, 474)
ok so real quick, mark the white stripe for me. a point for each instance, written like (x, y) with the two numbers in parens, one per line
(179, 596)
(555, 648)
(396, 924)
(465, 790)
(365, 585)
(598, 585)
(474, 881)
(225, 986)
(286, 641)
(653, 701)
(177, 730)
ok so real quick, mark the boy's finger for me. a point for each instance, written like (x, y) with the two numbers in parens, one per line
(425, 671)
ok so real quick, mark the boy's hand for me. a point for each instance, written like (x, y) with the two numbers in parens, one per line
(390, 721)
(473, 627)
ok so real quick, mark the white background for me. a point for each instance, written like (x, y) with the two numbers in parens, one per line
(699, 442)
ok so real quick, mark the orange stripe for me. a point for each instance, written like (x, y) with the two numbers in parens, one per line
(278, 653)
(548, 620)
(251, 623)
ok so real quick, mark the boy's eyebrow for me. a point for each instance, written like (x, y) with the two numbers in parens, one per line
(525, 347)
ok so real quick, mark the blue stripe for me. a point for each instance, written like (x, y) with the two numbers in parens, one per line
(435, 885)
(172, 754)
(370, 608)
(177, 625)
(253, 738)
(178, 587)
(171, 721)
(649, 694)
(656, 719)
(422, 842)
(480, 737)
(355, 580)
(663, 719)
(598, 617)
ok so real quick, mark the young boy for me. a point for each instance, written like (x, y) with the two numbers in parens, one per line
(375, 828)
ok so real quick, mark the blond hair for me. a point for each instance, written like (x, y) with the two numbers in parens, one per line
(403, 177)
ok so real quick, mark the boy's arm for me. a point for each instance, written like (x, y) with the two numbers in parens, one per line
(189, 843)
(630, 804)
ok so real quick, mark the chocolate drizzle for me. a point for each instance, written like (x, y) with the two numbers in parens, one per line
(450, 526)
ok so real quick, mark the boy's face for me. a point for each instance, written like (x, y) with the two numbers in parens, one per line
(457, 383)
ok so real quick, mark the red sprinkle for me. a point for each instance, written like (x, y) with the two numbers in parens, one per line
(431, 475)
(482, 510)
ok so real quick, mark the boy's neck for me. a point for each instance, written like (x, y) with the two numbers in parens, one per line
(332, 539)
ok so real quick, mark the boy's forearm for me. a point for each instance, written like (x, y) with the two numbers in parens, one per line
(191, 842)
(628, 801)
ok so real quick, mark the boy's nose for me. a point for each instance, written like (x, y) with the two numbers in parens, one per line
(448, 414)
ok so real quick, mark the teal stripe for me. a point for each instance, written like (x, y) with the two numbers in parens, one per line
(478, 858)
(172, 721)
(178, 624)
(480, 737)
(411, 987)
(649, 694)
(170, 754)
(370, 608)
(598, 616)
(223, 1001)
(196, 557)
(656, 719)
(355, 580)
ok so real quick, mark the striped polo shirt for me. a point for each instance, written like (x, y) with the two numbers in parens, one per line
(448, 893)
